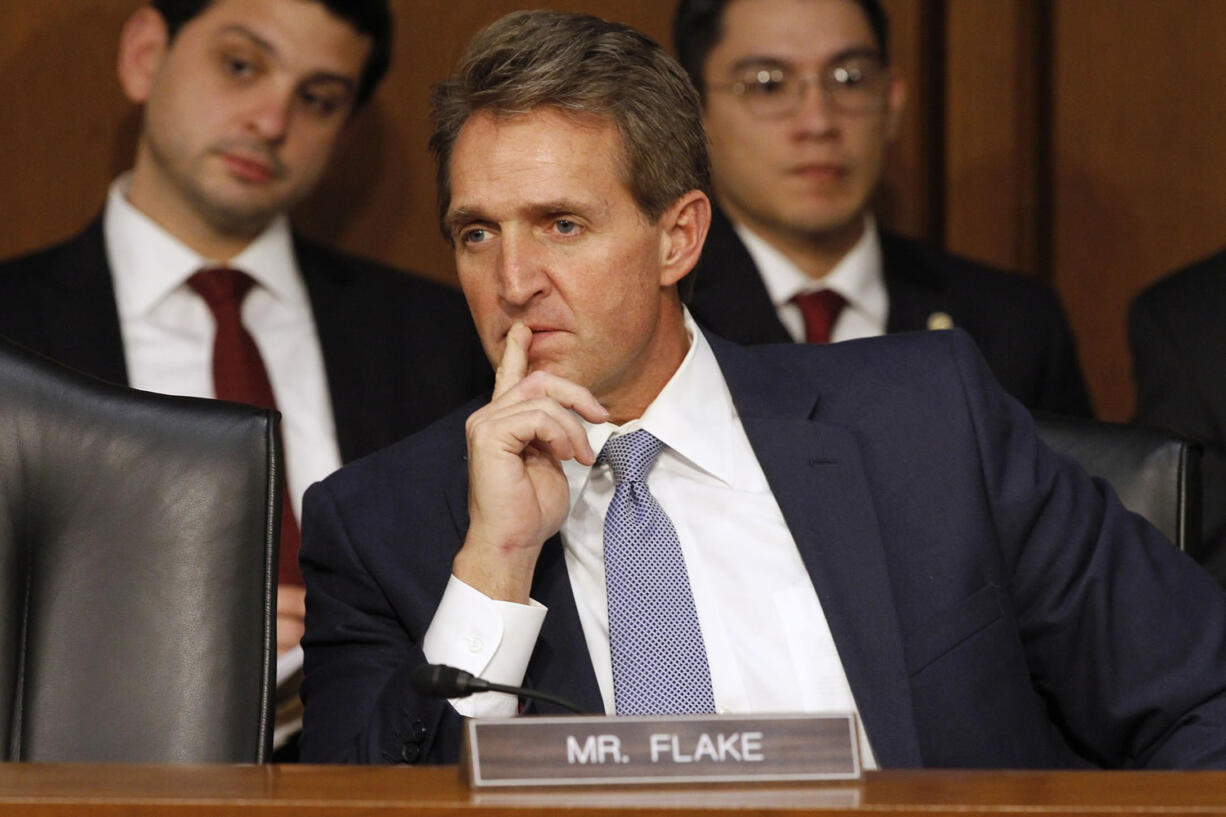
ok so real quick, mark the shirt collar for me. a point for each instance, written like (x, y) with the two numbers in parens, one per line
(148, 262)
(693, 415)
(857, 276)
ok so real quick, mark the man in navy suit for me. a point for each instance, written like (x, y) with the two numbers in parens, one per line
(869, 526)
(801, 105)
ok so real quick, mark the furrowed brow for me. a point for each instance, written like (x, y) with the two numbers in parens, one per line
(461, 216)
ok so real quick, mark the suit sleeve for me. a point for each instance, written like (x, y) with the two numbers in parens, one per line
(359, 706)
(1124, 636)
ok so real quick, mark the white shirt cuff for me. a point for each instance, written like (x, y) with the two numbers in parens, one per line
(489, 638)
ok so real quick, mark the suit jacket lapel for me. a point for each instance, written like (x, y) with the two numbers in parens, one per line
(914, 292)
(85, 334)
(342, 341)
(816, 474)
(729, 297)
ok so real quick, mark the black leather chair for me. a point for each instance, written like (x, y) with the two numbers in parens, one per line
(138, 537)
(1155, 474)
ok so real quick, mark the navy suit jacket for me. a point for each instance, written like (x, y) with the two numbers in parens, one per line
(1017, 322)
(991, 604)
(399, 352)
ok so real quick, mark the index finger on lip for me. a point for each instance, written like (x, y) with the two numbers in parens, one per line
(514, 364)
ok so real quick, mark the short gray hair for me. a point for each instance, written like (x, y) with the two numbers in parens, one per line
(589, 67)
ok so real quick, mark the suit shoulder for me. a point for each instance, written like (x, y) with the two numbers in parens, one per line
(902, 256)
(345, 269)
(422, 461)
(890, 360)
(1197, 289)
(32, 264)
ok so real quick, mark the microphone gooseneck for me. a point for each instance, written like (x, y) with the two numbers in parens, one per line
(442, 681)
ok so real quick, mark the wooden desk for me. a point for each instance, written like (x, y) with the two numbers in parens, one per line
(36, 790)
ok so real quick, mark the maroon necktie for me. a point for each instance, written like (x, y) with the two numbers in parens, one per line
(239, 375)
(821, 309)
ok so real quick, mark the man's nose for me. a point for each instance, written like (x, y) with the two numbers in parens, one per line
(522, 276)
(270, 115)
(815, 110)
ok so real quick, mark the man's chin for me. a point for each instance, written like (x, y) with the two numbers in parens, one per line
(825, 221)
(556, 367)
(234, 217)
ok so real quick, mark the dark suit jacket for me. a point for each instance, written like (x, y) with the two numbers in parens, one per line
(1178, 340)
(991, 605)
(399, 352)
(1017, 322)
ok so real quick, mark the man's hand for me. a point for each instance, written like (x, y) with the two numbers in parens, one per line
(517, 493)
(291, 617)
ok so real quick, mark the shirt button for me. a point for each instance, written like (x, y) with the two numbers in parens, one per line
(475, 645)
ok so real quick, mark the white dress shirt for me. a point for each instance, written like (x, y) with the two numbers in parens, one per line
(857, 277)
(768, 644)
(168, 329)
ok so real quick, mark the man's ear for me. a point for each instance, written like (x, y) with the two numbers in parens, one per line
(142, 46)
(684, 230)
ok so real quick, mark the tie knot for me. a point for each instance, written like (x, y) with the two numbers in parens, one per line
(222, 288)
(631, 455)
(820, 310)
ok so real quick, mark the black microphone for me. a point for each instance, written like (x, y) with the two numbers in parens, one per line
(442, 681)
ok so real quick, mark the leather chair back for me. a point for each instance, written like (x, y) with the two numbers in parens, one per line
(1156, 474)
(137, 571)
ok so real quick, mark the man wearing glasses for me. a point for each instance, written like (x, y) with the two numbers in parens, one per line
(801, 104)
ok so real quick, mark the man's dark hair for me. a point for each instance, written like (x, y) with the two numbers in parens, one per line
(588, 68)
(697, 28)
(370, 17)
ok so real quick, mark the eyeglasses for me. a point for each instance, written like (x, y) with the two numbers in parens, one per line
(855, 84)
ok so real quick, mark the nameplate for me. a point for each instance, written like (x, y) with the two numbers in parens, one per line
(598, 749)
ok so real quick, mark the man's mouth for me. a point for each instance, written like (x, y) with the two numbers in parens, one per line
(251, 169)
(819, 171)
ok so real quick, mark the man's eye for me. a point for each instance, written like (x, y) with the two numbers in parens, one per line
(766, 83)
(238, 67)
(565, 226)
(322, 104)
(474, 236)
(847, 75)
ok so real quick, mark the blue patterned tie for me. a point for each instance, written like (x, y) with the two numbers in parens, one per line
(659, 659)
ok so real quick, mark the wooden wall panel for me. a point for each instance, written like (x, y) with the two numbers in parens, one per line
(66, 128)
(910, 200)
(1139, 163)
(993, 133)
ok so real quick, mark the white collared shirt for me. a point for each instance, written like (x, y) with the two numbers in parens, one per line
(768, 644)
(168, 330)
(857, 277)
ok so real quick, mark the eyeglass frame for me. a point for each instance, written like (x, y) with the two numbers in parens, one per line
(821, 80)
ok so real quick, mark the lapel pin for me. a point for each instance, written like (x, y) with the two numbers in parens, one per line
(940, 320)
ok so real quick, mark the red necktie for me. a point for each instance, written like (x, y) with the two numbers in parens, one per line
(239, 375)
(821, 309)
